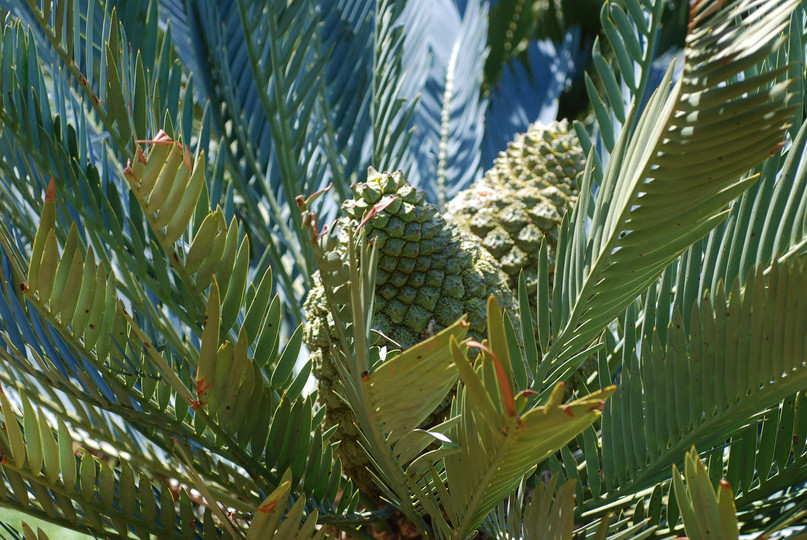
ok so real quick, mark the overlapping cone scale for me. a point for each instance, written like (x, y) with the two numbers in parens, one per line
(429, 274)
(523, 198)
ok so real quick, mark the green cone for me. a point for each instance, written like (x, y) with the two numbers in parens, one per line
(429, 275)
(522, 199)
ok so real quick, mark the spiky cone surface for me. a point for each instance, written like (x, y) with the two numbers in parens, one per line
(429, 274)
(522, 199)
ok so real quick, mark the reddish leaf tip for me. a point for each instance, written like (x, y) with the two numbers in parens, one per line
(375, 209)
(268, 507)
(567, 409)
(202, 386)
(161, 138)
(187, 159)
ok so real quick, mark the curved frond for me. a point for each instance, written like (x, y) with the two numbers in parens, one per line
(348, 31)
(258, 74)
(632, 29)
(512, 24)
(740, 357)
(449, 121)
(95, 59)
(549, 513)
(46, 478)
(677, 172)
(547, 71)
(232, 376)
(499, 441)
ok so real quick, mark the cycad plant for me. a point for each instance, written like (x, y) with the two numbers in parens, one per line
(185, 202)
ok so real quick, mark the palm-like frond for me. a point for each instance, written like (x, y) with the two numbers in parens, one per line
(393, 89)
(488, 418)
(157, 308)
(665, 402)
(348, 30)
(753, 236)
(93, 57)
(765, 225)
(106, 359)
(511, 24)
(449, 120)
(548, 69)
(650, 187)
(41, 460)
(548, 513)
(543, 516)
(632, 33)
(493, 422)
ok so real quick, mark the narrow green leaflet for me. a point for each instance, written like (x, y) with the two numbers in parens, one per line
(707, 512)
(668, 182)
(499, 441)
(272, 521)
(58, 497)
(425, 371)
(744, 352)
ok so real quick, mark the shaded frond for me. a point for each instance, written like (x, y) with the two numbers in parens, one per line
(739, 358)
(632, 29)
(46, 478)
(549, 68)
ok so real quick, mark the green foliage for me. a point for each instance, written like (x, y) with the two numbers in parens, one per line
(715, 514)
(163, 177)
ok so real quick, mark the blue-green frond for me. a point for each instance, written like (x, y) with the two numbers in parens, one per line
(529, 93)
(450, 116)
(347, 31)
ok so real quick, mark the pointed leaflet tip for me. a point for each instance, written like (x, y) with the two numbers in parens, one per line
(187, 158)
(268, 507)
(161, 138)
(50, 194)
(210, 342)
(557, 395)
(501, 375)
(271, 501)
(567, 409)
